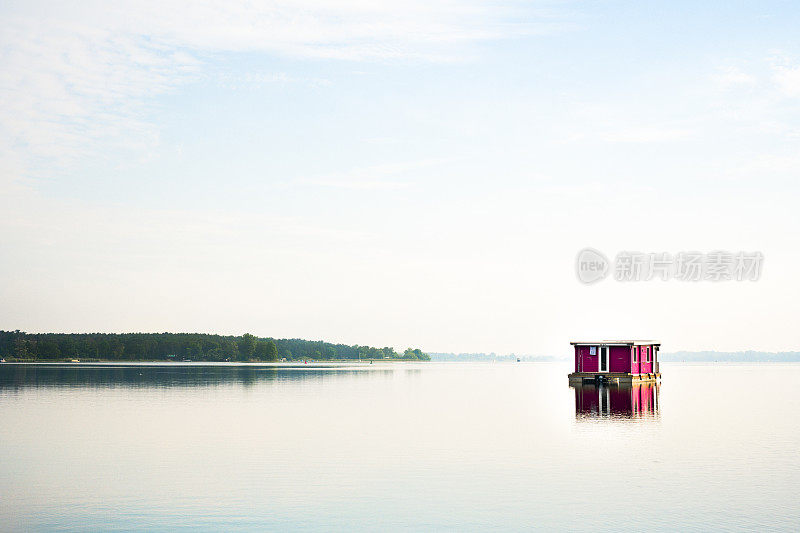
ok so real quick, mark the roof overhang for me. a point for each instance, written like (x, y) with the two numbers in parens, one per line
(617, 343)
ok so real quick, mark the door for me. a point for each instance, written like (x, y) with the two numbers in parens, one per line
(602, 365)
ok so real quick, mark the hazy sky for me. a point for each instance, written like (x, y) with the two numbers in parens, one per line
(416, 173)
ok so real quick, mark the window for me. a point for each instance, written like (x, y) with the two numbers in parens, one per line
(634, 354)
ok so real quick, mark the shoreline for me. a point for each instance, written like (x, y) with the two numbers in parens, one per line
(301, 363)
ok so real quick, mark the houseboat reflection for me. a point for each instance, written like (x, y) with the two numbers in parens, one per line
(623, 401)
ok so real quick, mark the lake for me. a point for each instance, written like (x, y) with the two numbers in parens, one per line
(396, 446)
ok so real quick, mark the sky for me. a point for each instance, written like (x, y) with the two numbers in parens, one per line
(420, 173)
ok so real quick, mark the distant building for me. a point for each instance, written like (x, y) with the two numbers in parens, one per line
(616, 361)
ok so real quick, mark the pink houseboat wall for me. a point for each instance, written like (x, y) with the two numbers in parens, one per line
(585, 362)
(646, 365)
(619, 359)
(624, 359)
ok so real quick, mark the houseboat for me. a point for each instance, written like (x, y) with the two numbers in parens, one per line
(616, 361)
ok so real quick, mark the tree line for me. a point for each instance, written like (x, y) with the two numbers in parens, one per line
(18, 345)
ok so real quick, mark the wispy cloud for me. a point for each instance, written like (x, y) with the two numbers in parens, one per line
(787, 79)
(761, 95)
(736, 96)
(645, 134)
(76, 79)
(776, 77)
(258, 80)
(391, 176)
(67, 89)
(732, 76)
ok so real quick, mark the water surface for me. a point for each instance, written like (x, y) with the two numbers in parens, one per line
(396, 446)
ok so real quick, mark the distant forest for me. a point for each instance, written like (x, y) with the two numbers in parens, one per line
(490, 357)
(749, 356)
(18, 345)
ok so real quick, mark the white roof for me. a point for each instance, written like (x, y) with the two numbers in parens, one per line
(631, 342)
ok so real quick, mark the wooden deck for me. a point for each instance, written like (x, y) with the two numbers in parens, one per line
(612, 377)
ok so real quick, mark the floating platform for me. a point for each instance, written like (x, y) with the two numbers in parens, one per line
(612, 377)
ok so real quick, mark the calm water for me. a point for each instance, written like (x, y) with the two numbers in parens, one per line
(396, 446)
